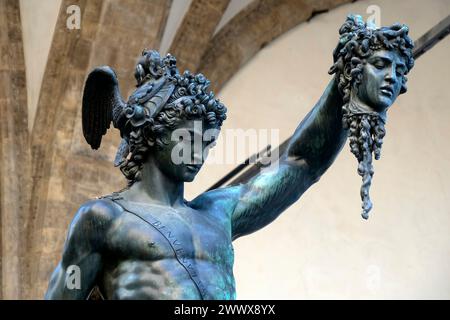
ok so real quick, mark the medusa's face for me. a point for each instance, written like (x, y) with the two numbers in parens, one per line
(185, 150)
(382, 79)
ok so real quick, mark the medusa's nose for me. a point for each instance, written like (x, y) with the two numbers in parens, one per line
(391, 74)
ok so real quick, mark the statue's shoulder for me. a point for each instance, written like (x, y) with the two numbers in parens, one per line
(90, 225)
(224, 199)
(100, 211)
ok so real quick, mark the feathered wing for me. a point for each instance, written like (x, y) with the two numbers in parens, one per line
(101, 99)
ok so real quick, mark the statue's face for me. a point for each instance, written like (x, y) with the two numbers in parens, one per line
(186, 149)
(382, 79)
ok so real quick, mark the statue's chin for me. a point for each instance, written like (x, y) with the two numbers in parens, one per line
(189, 177)
(357, 107)
(383, 104)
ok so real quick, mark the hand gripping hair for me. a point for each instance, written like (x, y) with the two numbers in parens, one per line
(357, 44)
(163, 97)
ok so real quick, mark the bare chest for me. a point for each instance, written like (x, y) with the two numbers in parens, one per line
(156, 233)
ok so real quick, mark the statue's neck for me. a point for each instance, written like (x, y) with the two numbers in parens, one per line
(156, 188)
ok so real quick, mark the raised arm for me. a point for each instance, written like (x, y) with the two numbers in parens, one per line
(312, 149)
(82, 255)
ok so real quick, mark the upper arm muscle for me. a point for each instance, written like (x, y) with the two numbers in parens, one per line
(267, 195)
(82, 251)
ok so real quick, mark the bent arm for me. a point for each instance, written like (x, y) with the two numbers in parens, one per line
(64, 283)
(81, 263)
(312, 149)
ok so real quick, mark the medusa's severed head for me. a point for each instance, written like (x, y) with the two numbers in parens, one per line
(164, 101)
(371, 67)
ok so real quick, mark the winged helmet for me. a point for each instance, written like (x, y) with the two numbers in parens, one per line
(103, 103)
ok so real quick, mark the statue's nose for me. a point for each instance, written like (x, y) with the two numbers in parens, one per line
(391, 75)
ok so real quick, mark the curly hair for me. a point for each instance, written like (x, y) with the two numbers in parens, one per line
(191, 99)
(366, 131)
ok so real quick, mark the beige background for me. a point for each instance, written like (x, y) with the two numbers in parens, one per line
(320, 247)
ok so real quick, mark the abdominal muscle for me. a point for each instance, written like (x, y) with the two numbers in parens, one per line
(164, 279)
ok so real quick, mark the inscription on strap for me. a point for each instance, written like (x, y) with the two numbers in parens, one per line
(179, 252)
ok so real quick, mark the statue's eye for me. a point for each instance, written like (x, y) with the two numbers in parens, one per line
(379, 65)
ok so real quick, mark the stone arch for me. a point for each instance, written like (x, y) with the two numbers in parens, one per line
(14, 150)
(196, 31)
(253, 28)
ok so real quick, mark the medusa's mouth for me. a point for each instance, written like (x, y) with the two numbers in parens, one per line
(387, 90)
(194, 167)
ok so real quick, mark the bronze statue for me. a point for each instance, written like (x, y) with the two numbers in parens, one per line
(146, 241)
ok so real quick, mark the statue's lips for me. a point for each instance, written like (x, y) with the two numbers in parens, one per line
(193, 167)
(387, 90)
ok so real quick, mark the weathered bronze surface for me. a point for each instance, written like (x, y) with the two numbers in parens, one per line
(146, 241)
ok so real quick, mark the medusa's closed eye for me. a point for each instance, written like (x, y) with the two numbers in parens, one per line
(379, 63)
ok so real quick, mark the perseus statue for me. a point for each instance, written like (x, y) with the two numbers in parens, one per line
(146, 241)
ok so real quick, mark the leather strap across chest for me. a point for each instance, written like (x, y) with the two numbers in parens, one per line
(180, 253)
